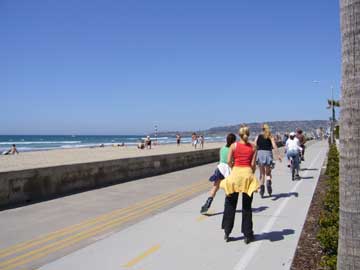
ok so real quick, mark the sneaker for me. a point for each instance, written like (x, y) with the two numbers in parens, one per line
(226, 238)
(249, 239)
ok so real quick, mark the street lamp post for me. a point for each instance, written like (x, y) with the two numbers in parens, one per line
(155, 134)
(332, 118)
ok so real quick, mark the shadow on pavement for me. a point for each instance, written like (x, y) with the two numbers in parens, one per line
(271, 236)
(284, 195)
(255, 210)
(274, 236)
(307, 177)
(308, 169)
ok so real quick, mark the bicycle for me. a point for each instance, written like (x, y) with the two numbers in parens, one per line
(295, 167)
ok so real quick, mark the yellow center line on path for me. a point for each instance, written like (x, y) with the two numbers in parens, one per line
(51, 248)
(142, 256)
(68, 230)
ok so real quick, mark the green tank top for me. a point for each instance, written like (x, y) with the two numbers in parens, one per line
(224, 151)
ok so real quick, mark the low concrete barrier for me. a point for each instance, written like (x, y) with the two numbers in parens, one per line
(17, 187)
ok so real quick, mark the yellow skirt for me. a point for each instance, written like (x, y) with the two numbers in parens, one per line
(241, 179)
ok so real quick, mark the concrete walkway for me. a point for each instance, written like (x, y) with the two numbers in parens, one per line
(180, 238)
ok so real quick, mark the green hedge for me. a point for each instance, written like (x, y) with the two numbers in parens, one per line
(329, 218)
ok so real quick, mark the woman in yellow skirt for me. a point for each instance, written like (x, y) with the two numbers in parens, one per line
(242, 159)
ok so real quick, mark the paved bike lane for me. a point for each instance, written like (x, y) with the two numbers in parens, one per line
(180, 238)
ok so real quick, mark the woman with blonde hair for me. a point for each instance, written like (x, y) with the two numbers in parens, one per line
(265, 144)
(241, 159)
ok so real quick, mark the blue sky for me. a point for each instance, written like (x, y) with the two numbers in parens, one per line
(121, 67)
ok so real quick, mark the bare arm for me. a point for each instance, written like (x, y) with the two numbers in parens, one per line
(253, 161)
(255, 142)
(230, 159)
(275, 148)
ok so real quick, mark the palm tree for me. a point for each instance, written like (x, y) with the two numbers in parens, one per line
(332, 103)
(349, 231)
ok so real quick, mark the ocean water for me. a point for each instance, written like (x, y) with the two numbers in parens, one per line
(25, 143)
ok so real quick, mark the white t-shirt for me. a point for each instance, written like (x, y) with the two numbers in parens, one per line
(292, 145)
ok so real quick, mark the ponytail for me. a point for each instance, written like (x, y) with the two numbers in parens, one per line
(244, 133)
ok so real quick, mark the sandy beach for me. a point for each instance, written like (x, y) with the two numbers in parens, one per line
(41, 159)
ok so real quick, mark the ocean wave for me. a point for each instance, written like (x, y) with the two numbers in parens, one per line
(39, 142)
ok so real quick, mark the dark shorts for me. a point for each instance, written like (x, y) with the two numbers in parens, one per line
(216, 176)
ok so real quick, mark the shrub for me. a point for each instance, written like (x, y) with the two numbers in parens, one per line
(329, 218)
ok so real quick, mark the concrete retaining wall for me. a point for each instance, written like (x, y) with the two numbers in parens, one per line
(37, 184)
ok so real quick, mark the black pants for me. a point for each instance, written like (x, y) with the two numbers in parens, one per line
(230, 210)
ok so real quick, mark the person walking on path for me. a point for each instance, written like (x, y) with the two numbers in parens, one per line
(265, 144)
(222, 171)
(242, 160)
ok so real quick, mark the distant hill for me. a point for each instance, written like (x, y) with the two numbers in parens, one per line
(276, 126)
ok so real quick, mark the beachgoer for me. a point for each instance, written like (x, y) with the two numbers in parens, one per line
(293, 151)
(141, 145)
(222, 171)
(194, 140)
(242, 159)
(302, 141)
(178, 139)
(202, 141)
(148, 142)
(11, 151)
(265, 144)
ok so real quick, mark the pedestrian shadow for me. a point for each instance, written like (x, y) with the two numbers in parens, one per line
(307, 177)
(275, 197)
(274, 236)
(271, 236)
(309, 169)
(255, 210)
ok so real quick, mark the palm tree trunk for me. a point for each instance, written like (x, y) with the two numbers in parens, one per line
(349, 231)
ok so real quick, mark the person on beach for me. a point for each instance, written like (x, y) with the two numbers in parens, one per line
(242, 160)
(178, 139)
(202, 141)
(265, 144)
(222, 171)
(141, 145)
(194, 140)
(11, 151)
(148, 142)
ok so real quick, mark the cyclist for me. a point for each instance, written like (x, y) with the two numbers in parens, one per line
(293, 150)
(300, 136)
